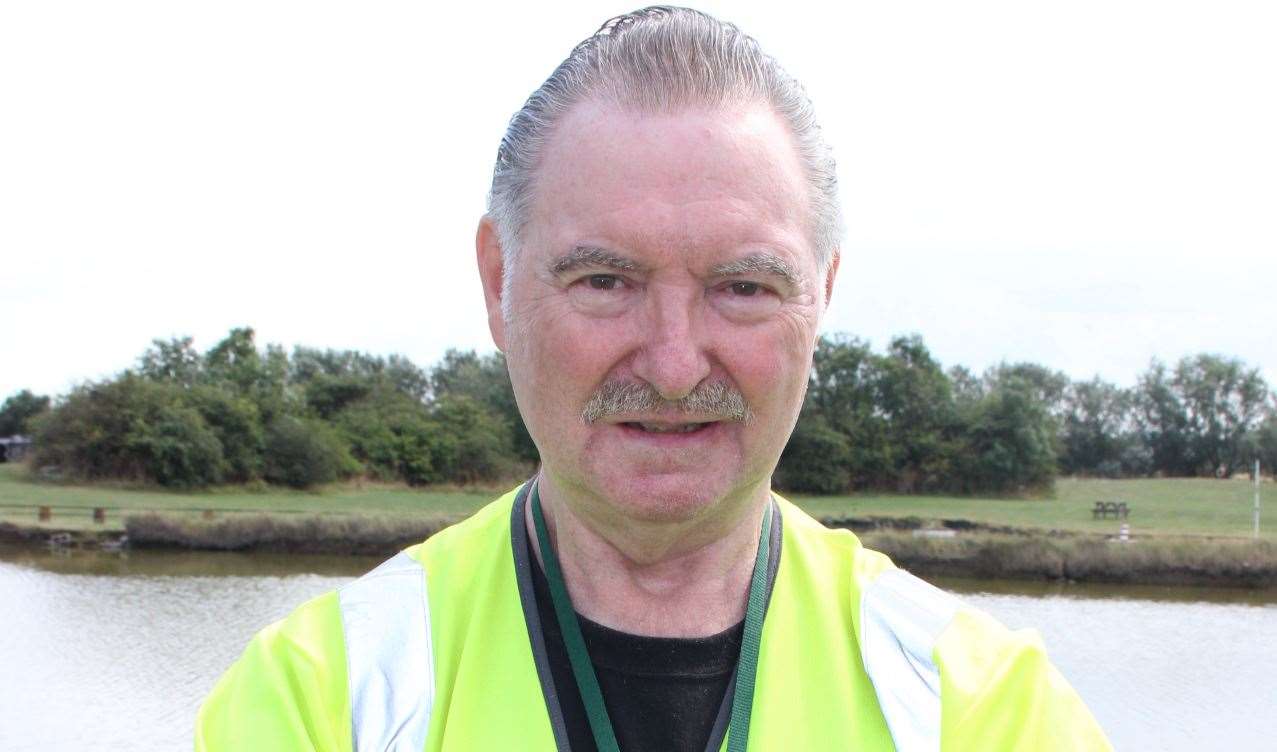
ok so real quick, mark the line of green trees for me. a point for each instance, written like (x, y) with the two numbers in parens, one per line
(895, 421)
(898, 421)
(237, 414)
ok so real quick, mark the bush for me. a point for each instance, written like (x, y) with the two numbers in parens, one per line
(176, 448)
(486, 380)
(471, 442)
(236, 423)
(371, 440)
(417, 444)
(130, 428)
(394, 437)
(305, 453)
(327, 395)
(817, 459)
(18, 410)
(1008, 443)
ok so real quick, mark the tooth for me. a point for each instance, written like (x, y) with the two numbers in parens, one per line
(661, 428)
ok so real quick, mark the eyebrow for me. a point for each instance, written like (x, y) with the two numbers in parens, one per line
(766, 263)
(587, 256)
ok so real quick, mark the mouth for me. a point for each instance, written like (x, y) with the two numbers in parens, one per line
(660, 428)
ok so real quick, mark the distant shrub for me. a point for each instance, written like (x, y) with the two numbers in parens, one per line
(1009, 442)
(236, 423)
(486, 380)
(303, 453)
(18, 410)
(394, 436)
(417, 444)
(130, 428)
(471, 443)
(372, 441)
(176, 448)
(817, 459)
(327, 395)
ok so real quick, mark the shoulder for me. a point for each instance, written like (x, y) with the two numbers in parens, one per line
(948, 675)
(485, 530)
(942, 670)
(292, 687)
(836, 553)
(286, 691)
(997, 683)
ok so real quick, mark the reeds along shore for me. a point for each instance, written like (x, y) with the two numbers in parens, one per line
(1145, 561)
(1022, 554)
(329, 534)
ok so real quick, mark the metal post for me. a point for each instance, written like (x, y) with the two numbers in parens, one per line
(1256, 533)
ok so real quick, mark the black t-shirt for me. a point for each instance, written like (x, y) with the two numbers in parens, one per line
(661, 693)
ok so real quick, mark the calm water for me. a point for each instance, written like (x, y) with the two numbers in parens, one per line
(111, 651)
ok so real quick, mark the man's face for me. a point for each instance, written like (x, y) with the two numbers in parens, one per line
(668, 251)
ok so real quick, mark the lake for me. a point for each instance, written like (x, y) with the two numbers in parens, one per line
(115, 651)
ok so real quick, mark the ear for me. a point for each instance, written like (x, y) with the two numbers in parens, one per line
(829, 275)
(491, 270)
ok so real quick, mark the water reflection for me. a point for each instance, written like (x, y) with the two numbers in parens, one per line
(1162, 668)
(1107, 591)
(116, 650)
(166, 563)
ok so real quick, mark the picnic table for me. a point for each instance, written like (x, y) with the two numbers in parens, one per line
(1103, 509)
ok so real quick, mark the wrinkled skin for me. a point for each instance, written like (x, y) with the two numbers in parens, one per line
(674, 198)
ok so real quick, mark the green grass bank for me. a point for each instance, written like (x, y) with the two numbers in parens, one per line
(1185, 531)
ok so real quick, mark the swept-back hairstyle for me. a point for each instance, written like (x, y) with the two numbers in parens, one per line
(662, 59)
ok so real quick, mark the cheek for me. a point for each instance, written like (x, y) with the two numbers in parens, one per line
(771, 366)
(582, 350)
(567, 358)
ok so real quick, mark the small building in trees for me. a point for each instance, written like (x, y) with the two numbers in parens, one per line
(14, 448)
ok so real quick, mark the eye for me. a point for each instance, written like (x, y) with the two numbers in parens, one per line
(745, 301)
(603, 281)
(602, 294)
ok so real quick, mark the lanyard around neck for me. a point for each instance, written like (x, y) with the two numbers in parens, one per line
(583, 670)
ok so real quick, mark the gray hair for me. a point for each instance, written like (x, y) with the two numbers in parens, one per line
(661, 59)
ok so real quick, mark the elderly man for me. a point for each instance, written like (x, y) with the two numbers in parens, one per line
(660, 246)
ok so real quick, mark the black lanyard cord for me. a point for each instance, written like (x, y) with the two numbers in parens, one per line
(583, 669)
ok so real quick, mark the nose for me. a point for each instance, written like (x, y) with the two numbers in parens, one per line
(672, 357)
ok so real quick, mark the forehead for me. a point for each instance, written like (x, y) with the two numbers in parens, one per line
(690, 180)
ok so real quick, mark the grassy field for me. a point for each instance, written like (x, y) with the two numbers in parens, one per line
(73, 504)
(1161, 507)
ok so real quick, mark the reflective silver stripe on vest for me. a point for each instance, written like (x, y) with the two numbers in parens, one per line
(901, 618)
(386, 619)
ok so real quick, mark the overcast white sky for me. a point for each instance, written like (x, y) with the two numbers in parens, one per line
(1086, 185)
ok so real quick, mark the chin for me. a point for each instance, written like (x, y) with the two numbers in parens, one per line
(666, 497)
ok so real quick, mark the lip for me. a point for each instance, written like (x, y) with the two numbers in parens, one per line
(672, 440)
(672, 417)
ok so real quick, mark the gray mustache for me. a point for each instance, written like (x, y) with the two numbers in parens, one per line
(712, 399)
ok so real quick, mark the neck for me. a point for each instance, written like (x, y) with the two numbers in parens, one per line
(667, 579)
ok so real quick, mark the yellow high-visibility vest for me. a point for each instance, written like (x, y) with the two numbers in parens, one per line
(436, 650)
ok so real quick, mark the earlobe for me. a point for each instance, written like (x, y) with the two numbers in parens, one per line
(491, 260)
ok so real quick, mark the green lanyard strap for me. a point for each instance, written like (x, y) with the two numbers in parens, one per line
(583, 669)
